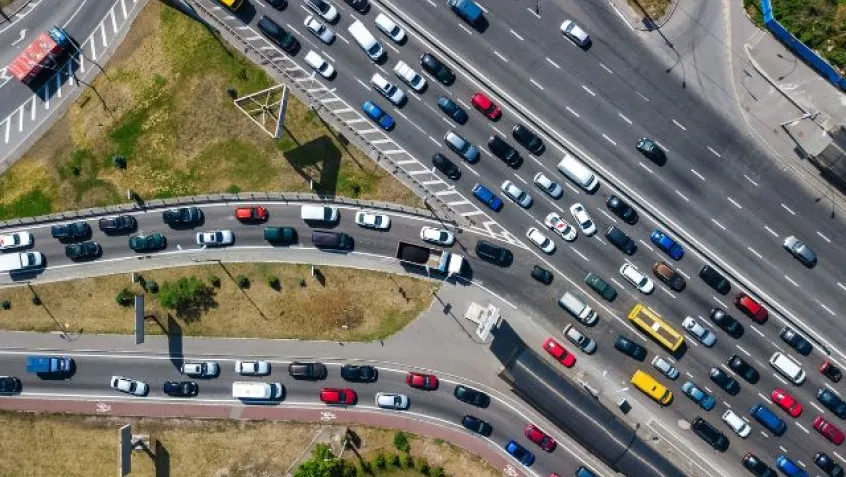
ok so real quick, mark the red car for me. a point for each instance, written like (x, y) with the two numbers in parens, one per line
(828, 430)
(559, 353)
(540, 438)
(752, 308)
(786, 402)
(486, 106)
(251, 214)
(422, 381)
(338, 396)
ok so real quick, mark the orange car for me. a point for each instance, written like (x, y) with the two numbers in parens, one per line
(251, 214)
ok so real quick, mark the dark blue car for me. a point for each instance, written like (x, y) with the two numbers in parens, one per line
(667, 245)
(376, 113)
(520, 453)
(487, 197)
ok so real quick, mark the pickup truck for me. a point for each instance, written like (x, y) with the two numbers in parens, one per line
(49, 365)
(467, 10)
(433, 259)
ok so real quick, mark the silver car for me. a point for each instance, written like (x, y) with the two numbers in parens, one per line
(516, 194)
(549, 186)
(699, 332)
(800, 251)
(129, 386)
(579, 339)
(319, 30)
(252, 368)
(460, 146)
(665, 367)
(392, 401)
(206, 369)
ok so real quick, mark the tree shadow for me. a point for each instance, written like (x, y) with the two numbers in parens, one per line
(319, 161)
(193, 310)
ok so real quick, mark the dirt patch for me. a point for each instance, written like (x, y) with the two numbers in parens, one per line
(655, 9)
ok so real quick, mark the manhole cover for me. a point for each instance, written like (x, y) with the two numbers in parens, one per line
(684, 424)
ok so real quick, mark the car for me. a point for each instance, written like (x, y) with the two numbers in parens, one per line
(630, 348)
(796, 341)
(650, 149)
(575, 33)
(583, 219)
(487, 197)
(828, 430)
(206, 369)
(215, 238)
(71, 231)
(726, 322)
(526, 138)
(542, 275)
(665, 367)
(345, 396)
(390, 28)
(698, 331)
(789, 468)
(516, 194)
(486, 106)
(180, 388)
(462, 147)
(832, 402)
(504, 151)
(252, 368)
(280, 235)
(667, 244)
(751, 308)
(831, 371)
(723, 380)
(388, 89)
(437, 236)
(709, 434)
(637, 278)
(277, 4)
(371, 220)
(115, 225)
(743, 369)
(714, 279)
(579, 339)
(147, 243)
(520, 453)
(619, 239)
(278, 35)
(359, 374)
(552, 188)
(17, 240)
(827, 465)
(558, 352)
(757, 467)
(736, 423)
(83, 250)
(697, 395)
(673, 279)
(251, 214)
(452, 110)
(361, 6)
(600, 286)
(308, 370)
(10, 385)
(494, 253)
(800, 251)
(786, 402)
(409, 76)
(376, 114)
(542, 439)
(622, 210)
(183, 216)
(319, 64)
(542, 241)
(427, 382)
(320, 30)
(129, 386)
(477, 425)
(392, 401)
(559, 225)
(324, 9)
(434, 67)
(447, 167)
(471, 396)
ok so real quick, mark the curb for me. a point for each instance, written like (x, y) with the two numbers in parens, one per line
(12, 15)
(748, 50)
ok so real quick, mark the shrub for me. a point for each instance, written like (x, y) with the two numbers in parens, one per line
(182, 293)
(215, 281)
(437, 471)
(242, 281)
(273, 282)
(5, 304)
(152, 287)
(232, 92)
(379, 462)
(302, 283)
(36, 300)
(125, 297)
(423, 466)
(401, 442)
(233, 189)
(119, 161)
(395, 460)
(406, 461)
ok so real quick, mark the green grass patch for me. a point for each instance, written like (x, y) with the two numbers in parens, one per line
(31, 204)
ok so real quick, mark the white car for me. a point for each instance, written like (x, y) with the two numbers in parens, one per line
(323, 8)
(542, 241)
(736, 423)
(559, 225)
(392, 401)
(665, 367)
(583, 219)
(575, 33)
(215, 238)
(129, 386)
(552, 188)
(636, 278)
(15, 240)
(699, 332)
(319, 64)
(372, 221)
(206, 369)
(579, 339)
(411, 77)
(438, 236)
(252, 368)
(388, 89)
(516, 194)
(319, 30)
(390, 28)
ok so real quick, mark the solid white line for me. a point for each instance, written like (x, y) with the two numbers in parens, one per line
(642, 96)
(824, 237)
(500, 56)
(787, 209)
(733, 202)
(572, 112)
(625, 118)
(536, 84)
(771, 231)
(838, 456)
(609, 139)
(469, 168)
(780, 378)
(606, 68)
(21, 117)
(650, 171)
(682, 196)
(553, 63)
(718, 224)
(523, 180)
(123, 8)
(698, 174)
(588, 90)
(750, 180)
(515, 34)
(607, 215)
(679, 125)
(756, 253)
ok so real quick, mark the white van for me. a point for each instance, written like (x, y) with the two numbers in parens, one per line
(13, 262)
(319, 213)
(366, 40)
(788, 367)
(257, 391)
(579, 309)
(578, 173)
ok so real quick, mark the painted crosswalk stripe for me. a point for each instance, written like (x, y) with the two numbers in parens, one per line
(407, 161)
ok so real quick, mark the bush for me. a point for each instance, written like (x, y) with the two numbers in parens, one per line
(395, 460)
(401, 442)
(233, 189)
(423, 466)
(302, 283)
(437, 471)
(180, 294)
(215, 281)
(379, 462)
(242, 281)
(273, 282)
(125, 297)
(5, 304)
(36, 300)
(119, 161)
(406, 461)
(152, 287)
(232, 92)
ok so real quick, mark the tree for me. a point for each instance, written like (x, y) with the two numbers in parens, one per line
(323, 463)
(188, 296)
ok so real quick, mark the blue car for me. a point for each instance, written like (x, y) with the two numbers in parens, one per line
(705, 400)
(667, 245)
(789, 467)
(520, 453)
(487, 197)
(375, 113)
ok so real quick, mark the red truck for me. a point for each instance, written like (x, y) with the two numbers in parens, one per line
(40, 54)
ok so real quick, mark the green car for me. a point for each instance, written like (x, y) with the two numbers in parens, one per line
(148, 243)
(601, 286)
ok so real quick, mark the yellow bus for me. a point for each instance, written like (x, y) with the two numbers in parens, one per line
(233, 5)
(647, 320)
(652, 388)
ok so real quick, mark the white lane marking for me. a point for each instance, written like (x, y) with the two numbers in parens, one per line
(818, 408)
(771, 231)
(791, 281)
(8, 129)
(482, 7)
(679, 125)
(432, 3)
(536, 84)
(682, 196)
(827, 309)
(625, 118)
(780, 378)
(750, 180)
(646, 245)
(714, 152)
(697, 174)
(500, 56)
(588, 90)
(734, 202)
(533, 12)
(605, 68)
(787, 209)
(363, 84)
(841, 285)
(607, 215)
(609, 139)
(800, 426)
(648, 169)
(465, 29)
(755, 252)
(515, 34)
(434, 141)
(469, 168)
(824, 237)
(838, 456)
(642, 96)
(756, 330)
(553, 63)
(579, 253)
(572, 112)
(743, 350)
(719, 224)
(523, 180)
(114, 19)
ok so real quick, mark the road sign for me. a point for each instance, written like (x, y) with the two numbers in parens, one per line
(266, 108)
(125, 450)
(488, 319)
(139, 319)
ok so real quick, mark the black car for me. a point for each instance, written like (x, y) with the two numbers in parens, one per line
(796, 341)
(453, 110)
(446, 166)
(527, 139)
(622, 210)
(757, 467)
(71, 231)
(542, 275)
(494, 253)
(714, 279)
(832, 402)
(723, 380)
(619, 239)
(10, 385)
(307, 370)
(359, 374)
(477, 425)
(434, 67)
(650, 149)
(831, 371)
(180, 388)
(182, 216)
(710, 434)
(118, 225)
(471, 396)
(278, 35)
(828, 465)
(726, 322)
(82, 251)
(359, 5)
(629, 347)
(744, 369)
(277, 4)
(504, 151)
